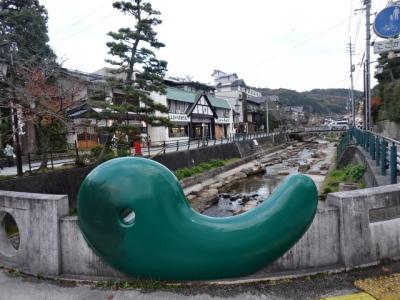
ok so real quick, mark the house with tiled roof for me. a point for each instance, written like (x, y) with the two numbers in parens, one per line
(197, 115)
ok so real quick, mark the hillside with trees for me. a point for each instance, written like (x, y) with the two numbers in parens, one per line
(318, 101)
(386, 94)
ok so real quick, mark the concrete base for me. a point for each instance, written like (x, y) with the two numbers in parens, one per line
(37, 217)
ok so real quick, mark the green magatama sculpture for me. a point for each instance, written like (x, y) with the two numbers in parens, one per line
(134, 214)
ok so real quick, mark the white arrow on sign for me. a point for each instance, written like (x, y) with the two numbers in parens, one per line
(386, 46)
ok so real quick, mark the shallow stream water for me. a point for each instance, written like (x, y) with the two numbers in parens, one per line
(253, 190)
(232, 199)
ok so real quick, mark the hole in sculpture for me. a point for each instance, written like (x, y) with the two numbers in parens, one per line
(128, 216)
(9, 234)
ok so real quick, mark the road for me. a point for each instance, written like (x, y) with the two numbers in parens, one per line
(314, 287)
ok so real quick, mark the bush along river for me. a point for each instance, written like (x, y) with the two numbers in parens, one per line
(251, 185)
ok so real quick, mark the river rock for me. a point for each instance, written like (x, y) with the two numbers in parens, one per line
(212, 192)
(304, 168)
(245, 198)
(240, 175)
(325, 167)
(216, 185)
(250, 205)
(318, 154)
(225, 195)
(191, 197)
(314, 172)
(283, 172)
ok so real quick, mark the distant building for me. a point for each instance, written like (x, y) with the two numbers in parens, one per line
(295, 113)
(196, 115)
(193, 109)
(246, 102)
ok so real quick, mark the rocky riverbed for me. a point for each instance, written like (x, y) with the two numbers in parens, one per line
(248, 186)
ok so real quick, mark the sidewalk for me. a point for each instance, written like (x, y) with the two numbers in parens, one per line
(316, 287)
(11, 171)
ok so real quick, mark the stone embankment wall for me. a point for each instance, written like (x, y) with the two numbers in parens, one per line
(388, 129)
(193, 157)
(350, 230)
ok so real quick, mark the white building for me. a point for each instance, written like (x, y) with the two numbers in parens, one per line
(246, 102)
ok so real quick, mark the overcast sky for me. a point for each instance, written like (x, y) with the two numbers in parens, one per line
(298, 45)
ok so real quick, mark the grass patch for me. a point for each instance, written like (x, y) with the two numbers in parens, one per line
(332, 137)
(205, 166)
(136, 285)
(11, 230)
(5, 177)
(350, 173)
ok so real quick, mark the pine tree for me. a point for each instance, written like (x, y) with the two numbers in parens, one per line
(138, 72)
(30, 87)
(24, 23)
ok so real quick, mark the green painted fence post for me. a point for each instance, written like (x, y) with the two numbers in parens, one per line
(383, 157)
(393, 164)
(365, 138)
(377, 150)
(373, 147)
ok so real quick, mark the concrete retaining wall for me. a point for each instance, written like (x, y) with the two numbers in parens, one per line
(193, 157)
(318, 248)
(369, 220)
(58, 182)
(356, 155)
(352, 229)
(388, 128)
(77, 257)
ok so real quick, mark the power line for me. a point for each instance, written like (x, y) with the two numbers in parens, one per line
(304, 42)
(81, 19)
(86, 28)
(360, 64)
(350, 18)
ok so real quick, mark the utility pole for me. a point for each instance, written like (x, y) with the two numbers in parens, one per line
(368, 121)
(365, 98)
(267, 114)
(18, 152)
(350, 47)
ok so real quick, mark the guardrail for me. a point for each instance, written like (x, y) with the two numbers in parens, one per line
(153, 148)
(162, 147)
(382, 150)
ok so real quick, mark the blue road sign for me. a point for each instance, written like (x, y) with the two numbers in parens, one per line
(387, 22)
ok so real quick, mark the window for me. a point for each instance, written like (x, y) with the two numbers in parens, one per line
(177, 107)
(178, 131)
(222, 113)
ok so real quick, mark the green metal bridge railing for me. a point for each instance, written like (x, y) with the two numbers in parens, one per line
(381, 149)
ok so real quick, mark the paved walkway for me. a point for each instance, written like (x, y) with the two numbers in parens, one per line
(316, 287)
(11, 171)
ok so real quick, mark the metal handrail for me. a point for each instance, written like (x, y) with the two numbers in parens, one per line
(380, 150)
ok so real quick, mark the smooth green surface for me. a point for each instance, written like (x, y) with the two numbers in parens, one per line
(169, 240)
